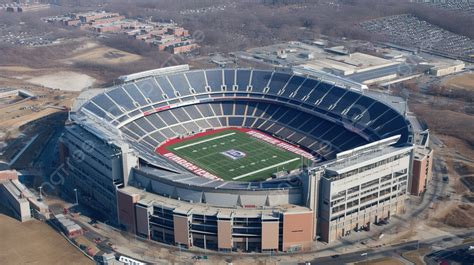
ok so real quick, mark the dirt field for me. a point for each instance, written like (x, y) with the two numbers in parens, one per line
(461, 81)
(74, 67)
(34, 242)
(64, 80)
(19, 113)
(18, 117)
(92, 52)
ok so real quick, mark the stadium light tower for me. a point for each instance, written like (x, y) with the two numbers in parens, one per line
(77, 202)
(40, 194)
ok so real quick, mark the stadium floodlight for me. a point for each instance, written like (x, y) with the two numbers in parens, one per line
(77, 202)
(40, 193)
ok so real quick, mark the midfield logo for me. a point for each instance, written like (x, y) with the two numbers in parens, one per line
(234, 154)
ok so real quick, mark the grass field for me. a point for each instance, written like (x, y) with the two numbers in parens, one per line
(235, 155)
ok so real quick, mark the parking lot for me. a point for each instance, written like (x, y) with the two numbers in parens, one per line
(410, 31)
(27, 39)
(466, 7)
(463, 254)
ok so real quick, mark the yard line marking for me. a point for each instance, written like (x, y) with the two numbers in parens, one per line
(265, 168)
(203, 141)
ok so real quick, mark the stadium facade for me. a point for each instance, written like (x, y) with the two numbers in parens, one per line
(361, 169)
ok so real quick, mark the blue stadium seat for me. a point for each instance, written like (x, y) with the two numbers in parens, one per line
(158, 137)
(121, 98)
(192, 112)
(167, 117)
(151, 141)
(332, 97)
(214, 79)
(292, 85)
(258, 123)
(236, 121)
(214, 122)
(240, 108)
(203, 124)
(278, 81)
(181, 115)
(217, 107)
(229, 78)
(97, 111)
(260, 80)
(248, 122)
(228, 108)
(205, 109)
(149, 89)
(107, 105)
(302, 117)
(134, 128)
(179, 129)
(129, 133)
(145, 125)
(180, 84)
(154, 119)
(306, 88)
(197, 80)
(168, 133)
(191, 127)
(243, 79)
(269, 111)
(135, 94)
(345, 101)
(320, 91)
(388, 115)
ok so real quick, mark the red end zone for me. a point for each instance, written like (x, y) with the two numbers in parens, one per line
(162, 150)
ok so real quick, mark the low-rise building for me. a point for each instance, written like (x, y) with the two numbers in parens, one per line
(184, 48)
(165, 36)
(94, 15)
(178, 31)
(14, 200)
(19, 198)
(448, 67)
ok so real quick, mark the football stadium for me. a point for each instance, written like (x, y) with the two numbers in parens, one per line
(239, 159)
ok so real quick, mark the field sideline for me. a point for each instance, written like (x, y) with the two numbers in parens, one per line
(235, 154)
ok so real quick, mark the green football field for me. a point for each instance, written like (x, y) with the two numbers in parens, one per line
(235, 155)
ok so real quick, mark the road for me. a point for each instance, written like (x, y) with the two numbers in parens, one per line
(366, 254)
(391, 251)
